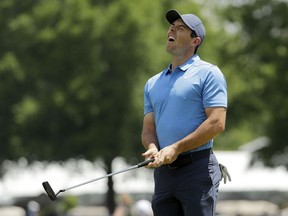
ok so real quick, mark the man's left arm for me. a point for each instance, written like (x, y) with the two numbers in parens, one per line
(210, 128)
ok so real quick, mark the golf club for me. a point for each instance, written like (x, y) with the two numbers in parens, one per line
(51, 194)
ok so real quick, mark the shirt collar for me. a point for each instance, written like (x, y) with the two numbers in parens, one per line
(185, 65)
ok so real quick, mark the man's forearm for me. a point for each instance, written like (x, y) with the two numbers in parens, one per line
(149, 140)
(194, 140)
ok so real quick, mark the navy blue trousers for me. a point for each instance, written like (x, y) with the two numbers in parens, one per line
(187, 191)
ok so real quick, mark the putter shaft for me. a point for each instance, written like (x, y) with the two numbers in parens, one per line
(53, 196)
(96, 179)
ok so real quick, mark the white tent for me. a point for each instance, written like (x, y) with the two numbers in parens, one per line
(247, 178)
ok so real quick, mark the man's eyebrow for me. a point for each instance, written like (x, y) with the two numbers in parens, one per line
(181, 25)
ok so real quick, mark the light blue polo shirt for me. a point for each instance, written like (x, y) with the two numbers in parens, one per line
(179, 98)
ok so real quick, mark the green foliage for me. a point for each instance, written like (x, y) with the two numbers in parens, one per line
(68, 70)
(68, 73)
(256, 62)
(68, 203)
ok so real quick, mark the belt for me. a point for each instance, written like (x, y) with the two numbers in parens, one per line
(185, 159)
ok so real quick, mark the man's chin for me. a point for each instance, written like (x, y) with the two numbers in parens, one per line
(169, 49)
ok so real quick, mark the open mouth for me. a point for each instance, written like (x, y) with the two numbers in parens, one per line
(171, 39)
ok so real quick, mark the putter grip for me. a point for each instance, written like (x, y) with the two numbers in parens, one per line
(145, 163)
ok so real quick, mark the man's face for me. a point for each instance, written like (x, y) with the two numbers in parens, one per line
(179, 41)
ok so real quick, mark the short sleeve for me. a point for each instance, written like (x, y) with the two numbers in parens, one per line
(215, 89)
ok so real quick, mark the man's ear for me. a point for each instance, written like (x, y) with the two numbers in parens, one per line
(196, 41)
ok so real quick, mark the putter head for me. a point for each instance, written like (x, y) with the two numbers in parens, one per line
(48, 189)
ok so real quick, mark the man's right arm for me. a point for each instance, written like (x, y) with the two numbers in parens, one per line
(149, 137)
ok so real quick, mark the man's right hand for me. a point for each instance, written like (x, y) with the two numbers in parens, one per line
(150, 153)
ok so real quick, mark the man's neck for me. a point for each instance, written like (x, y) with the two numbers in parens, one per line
(177, 61)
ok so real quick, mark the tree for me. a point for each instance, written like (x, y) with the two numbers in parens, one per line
(68, 70)
(256, 57)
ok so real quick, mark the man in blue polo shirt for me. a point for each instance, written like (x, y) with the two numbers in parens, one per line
(184, 109)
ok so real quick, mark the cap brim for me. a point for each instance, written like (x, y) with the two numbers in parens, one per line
(172, 15)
